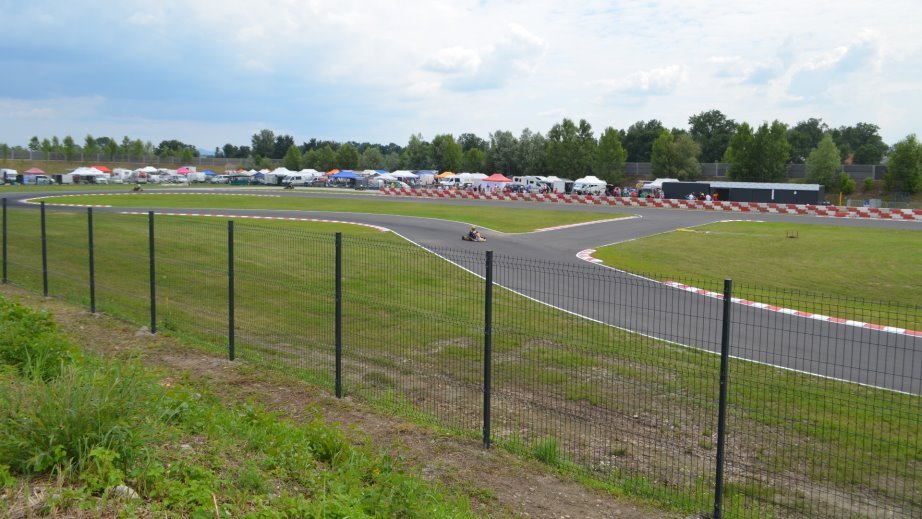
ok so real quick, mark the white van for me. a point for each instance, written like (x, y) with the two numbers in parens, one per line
(298, 179)
(589, 186)
(8, 176)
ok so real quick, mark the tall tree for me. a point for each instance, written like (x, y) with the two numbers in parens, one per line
(111, 148)
(90, 148)
(347, 157)
(570, 149)
(501, 155)
(137, 149)
(292, 158)
(34, 144)
(283, 143)
(4, 151)
(69, 147)
(824, 164)
(638, 140)
(804, 137)
(418, 154)
(760, 156)
(851, 138)
(446, 153)
(610, 157)
(125, 147)
(47, 148)
(531, 155)
(326, 158)
(712, 131)
(469, 141)
(904, 170)
(676, 156)
(263, 143)
(472, 161)
(371, 158)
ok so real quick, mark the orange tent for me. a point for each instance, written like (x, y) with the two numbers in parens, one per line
(445, 174)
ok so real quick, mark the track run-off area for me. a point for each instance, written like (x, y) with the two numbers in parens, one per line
(867, 353)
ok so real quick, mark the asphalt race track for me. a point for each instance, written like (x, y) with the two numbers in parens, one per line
(877, 358)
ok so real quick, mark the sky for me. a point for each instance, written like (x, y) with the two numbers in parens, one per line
(211, 72)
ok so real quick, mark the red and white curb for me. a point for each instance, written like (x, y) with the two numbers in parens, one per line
(586, 255)
(285, 218)
(580, 224)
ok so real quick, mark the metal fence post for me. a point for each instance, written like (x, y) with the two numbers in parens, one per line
(89, 230)
(339, 315)
(487, 347)
(230, 289)
(44, 255)
(5, 279)
(722, 410)
(153, 273)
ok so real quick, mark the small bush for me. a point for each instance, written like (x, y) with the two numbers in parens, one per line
(868, 184)
(57, 424)
(847, 184)
(30, 343)
(546, 452)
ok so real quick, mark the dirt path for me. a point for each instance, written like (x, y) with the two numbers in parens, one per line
(498, 483)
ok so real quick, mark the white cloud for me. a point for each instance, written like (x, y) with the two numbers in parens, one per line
(454, 60)
(658, 81)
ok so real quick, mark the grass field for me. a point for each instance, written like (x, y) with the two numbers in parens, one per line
(873, 274)
(413, 331)
(502, 219)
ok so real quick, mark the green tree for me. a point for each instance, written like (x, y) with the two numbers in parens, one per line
(418, 154)
(760, 156)
(501, 155)
(531, 156)
(283, 143)
(4, 151)
(326, 158)
(371, 159)
(446, 153)
(263, 143)
(292, 158)
(638, 140)
(186, 155)
(347, 157)
(34, 144)
(472, 162)
(868, 153)
(392, 161)
(56, 146)
(804, 137)
(111, 149)
(904, 170)
(675, 156)
(851, 138)
(610, 157)
(137, 149)
(712, 131)
(469, 141)
(125, 147)
(47, 148)
(570, 149)
(824, 164)
(90, 149)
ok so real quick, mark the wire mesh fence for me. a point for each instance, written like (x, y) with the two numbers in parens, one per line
(613, 374)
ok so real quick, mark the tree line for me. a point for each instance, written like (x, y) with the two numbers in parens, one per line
(571, 149)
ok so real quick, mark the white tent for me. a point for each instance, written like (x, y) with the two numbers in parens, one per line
(404, 174)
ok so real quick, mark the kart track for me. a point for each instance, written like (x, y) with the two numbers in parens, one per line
(869, 355)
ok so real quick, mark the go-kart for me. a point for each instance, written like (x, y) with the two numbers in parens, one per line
(467, 237)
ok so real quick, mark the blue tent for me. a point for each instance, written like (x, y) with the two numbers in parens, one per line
(345, 174)
(209, 173)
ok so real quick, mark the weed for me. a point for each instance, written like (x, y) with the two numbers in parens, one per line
(546, 451)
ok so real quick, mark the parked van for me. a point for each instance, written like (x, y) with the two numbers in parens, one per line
(589, 186)
(8, 176)
(138, 177)
(298, 179)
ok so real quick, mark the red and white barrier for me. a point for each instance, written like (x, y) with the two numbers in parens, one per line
(733, 207)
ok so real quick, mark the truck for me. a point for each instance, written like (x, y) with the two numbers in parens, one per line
(8, 176)
(463, 180)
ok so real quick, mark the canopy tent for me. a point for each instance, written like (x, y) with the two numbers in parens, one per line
(209, 173)
(497, 177)
(495, 181)
(445, 174)
(183, 170)
(88, 172)
(148, 169)
(345, 174)
(101, 168)
(34, 171)
(332, 172)
(404, 174)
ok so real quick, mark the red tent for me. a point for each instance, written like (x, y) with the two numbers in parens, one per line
(34, 171)
(497, 177)
(101, 168)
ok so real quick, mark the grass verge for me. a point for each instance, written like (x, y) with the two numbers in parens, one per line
(116, 440)
(504, 219)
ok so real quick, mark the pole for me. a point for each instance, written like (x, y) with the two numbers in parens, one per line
(153, 273)
(722, 410)
(44, 255)
(89, 229)
(230, 289)
(487, 347)
(5, 279)
(339, 315)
